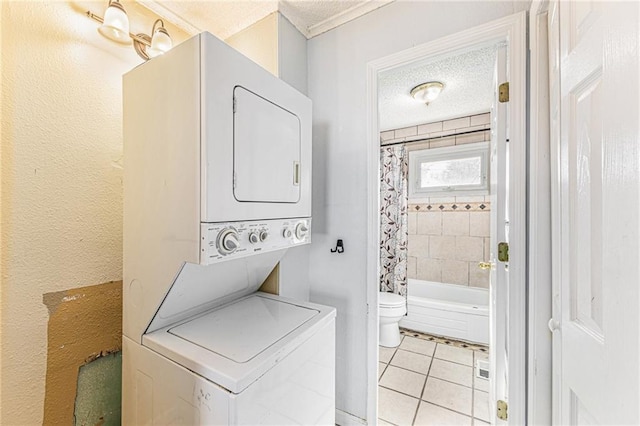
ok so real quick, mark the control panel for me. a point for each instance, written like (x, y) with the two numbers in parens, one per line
(232, 240)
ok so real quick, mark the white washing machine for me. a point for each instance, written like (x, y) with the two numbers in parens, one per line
(217, 186)
(259, 360)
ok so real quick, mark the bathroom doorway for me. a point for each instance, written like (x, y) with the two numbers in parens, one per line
(450, 193)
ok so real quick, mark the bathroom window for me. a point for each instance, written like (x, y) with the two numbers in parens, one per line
(456, 170)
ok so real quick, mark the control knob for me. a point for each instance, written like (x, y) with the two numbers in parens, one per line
(264, 235)
(254, 238)
(301, 230)
(286, 232)
(228, 241)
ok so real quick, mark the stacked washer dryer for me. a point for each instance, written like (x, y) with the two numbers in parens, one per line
(217, 186)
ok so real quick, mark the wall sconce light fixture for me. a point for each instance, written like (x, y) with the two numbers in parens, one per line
(115, 27)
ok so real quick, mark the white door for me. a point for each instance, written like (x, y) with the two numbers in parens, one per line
(499, 287)
(594, 81)
(266, 150)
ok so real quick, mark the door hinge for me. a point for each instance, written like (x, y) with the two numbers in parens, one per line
(503, 92)
(503, 252)
(502, 410)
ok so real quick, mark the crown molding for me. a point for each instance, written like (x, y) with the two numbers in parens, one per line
(344, 17)
(156, 7)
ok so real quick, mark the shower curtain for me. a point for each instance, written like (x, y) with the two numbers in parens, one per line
(393, 219)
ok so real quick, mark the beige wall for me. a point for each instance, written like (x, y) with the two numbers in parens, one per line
(1, 203)
(277, 46)
(61, 180)
(448, 236)
(259, 42)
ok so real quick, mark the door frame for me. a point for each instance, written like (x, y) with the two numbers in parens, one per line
(512, 29)
(542, 172)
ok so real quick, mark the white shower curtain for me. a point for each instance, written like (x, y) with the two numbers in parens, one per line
(393, 219)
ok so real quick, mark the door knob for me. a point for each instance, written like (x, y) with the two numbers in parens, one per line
(485, 265)
(553, 325)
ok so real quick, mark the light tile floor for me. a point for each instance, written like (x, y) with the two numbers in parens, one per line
(428, 382)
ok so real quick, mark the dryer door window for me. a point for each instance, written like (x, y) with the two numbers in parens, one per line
(266, 157)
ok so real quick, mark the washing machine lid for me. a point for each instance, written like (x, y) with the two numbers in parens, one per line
(236, 344)
(391, 299)
(242, 330)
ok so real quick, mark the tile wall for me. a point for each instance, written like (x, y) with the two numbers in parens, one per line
(448, 236)
(445, 245)
(447, 132)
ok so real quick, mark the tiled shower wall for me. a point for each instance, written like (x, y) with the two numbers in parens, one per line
(445, 245)
(448, 236)
(447, 132)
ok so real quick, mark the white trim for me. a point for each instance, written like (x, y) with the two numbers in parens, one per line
(512, 29)
(540, 340)
(161, 10)
(343, 17)
(518, 219)
(373, 242)
(556, 212)
(345, 419)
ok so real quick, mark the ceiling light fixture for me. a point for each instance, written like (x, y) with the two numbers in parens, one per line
(427, 92)
(115, 27)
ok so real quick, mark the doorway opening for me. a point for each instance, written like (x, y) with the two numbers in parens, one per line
(435, 248)
(447, 188)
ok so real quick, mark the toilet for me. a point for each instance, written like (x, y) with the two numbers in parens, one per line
(392, 307)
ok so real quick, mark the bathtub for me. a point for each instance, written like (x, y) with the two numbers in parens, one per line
(448, 310)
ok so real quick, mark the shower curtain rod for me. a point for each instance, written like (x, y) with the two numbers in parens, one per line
(433, 139)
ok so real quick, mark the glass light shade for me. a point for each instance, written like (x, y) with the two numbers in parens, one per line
(116, 24)
(160, 43)
(427, 92)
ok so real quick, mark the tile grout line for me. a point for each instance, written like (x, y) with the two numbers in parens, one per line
(395, 350)
(432, 358)
(438, 405)
(400, 392)
(420, 400)
(473, 389)
(427, 374)
(473, 348)
(434, 353)
(453, 383)
(415, 415)
(386, 421)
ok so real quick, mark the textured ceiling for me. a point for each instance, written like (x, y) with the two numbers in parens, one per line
(468, 80)
(226, 17)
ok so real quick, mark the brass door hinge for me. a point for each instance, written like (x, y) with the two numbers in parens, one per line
(503, 92)
(503, 252)
(502, 410)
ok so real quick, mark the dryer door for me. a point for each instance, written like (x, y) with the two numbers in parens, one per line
(266, 154)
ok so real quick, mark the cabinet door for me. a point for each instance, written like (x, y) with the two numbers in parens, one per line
(266, 155)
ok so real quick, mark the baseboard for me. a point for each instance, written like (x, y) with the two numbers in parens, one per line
(345, 419)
